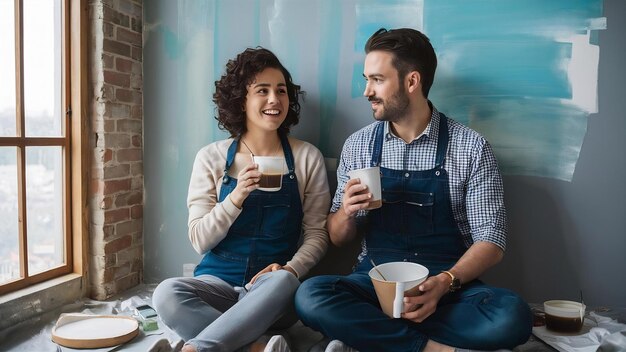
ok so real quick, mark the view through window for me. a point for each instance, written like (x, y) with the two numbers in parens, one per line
(34, 143)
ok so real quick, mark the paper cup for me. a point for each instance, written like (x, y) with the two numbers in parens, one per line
(370, 177)
(402, 279)
(272, 169)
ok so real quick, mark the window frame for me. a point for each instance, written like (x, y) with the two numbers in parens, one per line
(73, 140)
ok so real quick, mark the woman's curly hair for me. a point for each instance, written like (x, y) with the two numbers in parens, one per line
(232, 88)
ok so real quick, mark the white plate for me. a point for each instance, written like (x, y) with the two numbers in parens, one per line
(93, 331)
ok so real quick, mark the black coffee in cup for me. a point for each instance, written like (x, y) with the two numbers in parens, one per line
(270, 180)
(561, 324)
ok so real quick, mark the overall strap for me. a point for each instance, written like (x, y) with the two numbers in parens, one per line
(230, 156)
(288, 153)
(379, 131)
(442, 141)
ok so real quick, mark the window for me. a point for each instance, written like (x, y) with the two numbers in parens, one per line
(36, 143)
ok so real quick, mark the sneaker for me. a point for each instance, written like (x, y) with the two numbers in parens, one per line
(338, 346)
(163, 345)
(277, 343)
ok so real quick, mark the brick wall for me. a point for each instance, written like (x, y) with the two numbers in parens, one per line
(116, 245)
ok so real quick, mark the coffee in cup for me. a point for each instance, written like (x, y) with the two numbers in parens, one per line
(564, 316)
(370, 176)
(398, 279)
(272, 170)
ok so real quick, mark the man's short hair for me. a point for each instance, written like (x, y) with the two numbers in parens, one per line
(411, 51)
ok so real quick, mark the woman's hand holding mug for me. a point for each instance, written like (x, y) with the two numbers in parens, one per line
(247, 181)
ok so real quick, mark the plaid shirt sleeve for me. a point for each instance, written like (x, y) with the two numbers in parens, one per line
(356, 154)
(342, 175)
(484, 200)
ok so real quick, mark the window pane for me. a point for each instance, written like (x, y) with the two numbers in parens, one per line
(42, 67)
(7, 69)
(9, 234)
(44, 208)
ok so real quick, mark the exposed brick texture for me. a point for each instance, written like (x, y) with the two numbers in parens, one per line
(116, 221)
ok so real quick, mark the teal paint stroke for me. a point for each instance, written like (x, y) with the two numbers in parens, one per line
(358, 81)
(526, 141)
(329, 51)
(170, 43)
(471, 20)
(522, 66)
(503, 70)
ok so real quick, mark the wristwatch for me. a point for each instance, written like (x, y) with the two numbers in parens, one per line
(455, 284)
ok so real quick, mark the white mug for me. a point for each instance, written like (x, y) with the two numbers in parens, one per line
(272, 169)
(370, 176)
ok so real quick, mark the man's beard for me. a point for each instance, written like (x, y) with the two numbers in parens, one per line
(395, 108)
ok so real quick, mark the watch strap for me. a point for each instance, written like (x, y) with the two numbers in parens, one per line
(455, 283)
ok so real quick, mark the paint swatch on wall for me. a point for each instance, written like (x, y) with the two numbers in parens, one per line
(523, 73)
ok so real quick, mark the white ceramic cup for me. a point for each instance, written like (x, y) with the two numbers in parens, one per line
(272, 169)
(370, 176)
(400, 279)
(564, 316)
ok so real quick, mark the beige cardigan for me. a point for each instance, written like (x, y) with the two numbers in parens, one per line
(209, 221)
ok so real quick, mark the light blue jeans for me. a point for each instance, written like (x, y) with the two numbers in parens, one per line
(211, 315)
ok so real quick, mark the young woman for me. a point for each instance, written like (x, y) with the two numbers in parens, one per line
(256, 244)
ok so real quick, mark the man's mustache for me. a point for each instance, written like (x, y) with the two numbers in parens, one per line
(374, 99)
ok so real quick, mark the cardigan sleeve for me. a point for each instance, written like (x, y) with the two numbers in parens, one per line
(209, 220)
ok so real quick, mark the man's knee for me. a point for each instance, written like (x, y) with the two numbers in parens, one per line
(521, 324)
(311, 294)
(515, 318)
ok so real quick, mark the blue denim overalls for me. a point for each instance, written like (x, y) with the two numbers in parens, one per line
(266, 231)
(414, 224)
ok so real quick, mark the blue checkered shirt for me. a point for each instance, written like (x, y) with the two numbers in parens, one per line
(476, 190)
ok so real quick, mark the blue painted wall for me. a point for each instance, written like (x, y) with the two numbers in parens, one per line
(523, 73)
